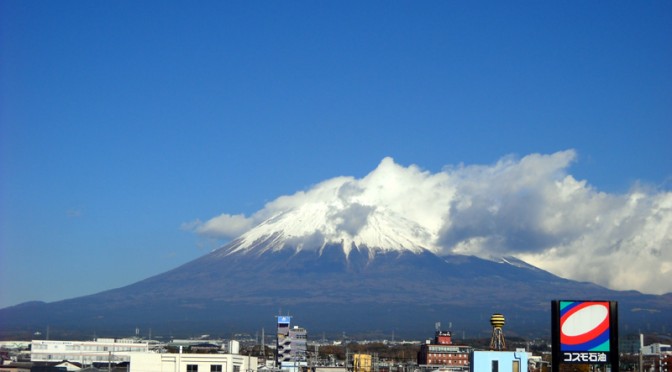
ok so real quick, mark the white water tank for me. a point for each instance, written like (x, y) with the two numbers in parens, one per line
(234, 347)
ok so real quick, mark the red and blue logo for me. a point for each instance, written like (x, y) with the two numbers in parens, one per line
(584, 326)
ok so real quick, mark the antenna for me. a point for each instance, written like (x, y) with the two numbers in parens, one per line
(263, 344)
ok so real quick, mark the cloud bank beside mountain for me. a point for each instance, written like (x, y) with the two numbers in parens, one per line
(531, 208)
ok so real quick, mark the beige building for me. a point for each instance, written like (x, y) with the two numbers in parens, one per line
(182, 362)
(362, 363)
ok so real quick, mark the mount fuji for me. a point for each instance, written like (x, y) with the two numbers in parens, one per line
(360, 284)
(346, 258)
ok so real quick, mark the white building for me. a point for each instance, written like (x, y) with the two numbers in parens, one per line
(656, 349)
(149, 362)
(86, 352)
(14, 345)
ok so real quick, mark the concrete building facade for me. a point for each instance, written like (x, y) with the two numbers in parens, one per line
(152, 362)
(86, 352)
(441, 352)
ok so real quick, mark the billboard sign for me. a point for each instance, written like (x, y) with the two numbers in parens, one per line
(284, 319)
(585, 332)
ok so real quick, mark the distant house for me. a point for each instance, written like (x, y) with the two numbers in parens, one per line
(204, 348)
(16, 367)
(46, 367)
(70, 366)
(63, 366)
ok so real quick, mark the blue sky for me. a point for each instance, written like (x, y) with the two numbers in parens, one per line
(122, 120)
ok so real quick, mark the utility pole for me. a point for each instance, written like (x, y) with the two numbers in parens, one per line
(315, 358)
(641, 351)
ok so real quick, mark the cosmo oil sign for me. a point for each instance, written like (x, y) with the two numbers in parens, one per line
(585, 332)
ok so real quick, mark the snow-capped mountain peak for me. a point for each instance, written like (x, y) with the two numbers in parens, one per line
(339, 211)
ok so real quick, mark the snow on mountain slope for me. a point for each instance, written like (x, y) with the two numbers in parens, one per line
(346, 211)
(513, 261)
(314, 225)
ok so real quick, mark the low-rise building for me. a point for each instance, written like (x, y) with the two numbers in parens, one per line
(16, 367)
(442, 353)
(500, 361)
(183, 362)
(362, 363)
(69, 366)
(86, 352)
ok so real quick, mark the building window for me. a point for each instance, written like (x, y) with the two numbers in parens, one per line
(516, 366)
(236, 368)
(495, 366)
(215, 368)
(192, 367)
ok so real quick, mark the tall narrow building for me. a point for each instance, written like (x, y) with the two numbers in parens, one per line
(291, 343)
(283, 342)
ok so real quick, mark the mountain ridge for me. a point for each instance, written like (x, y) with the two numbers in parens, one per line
(330, 291)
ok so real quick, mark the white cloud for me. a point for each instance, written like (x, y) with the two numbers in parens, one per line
(222, 226)
(74, 212)
(534, 210)
(531, 208)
